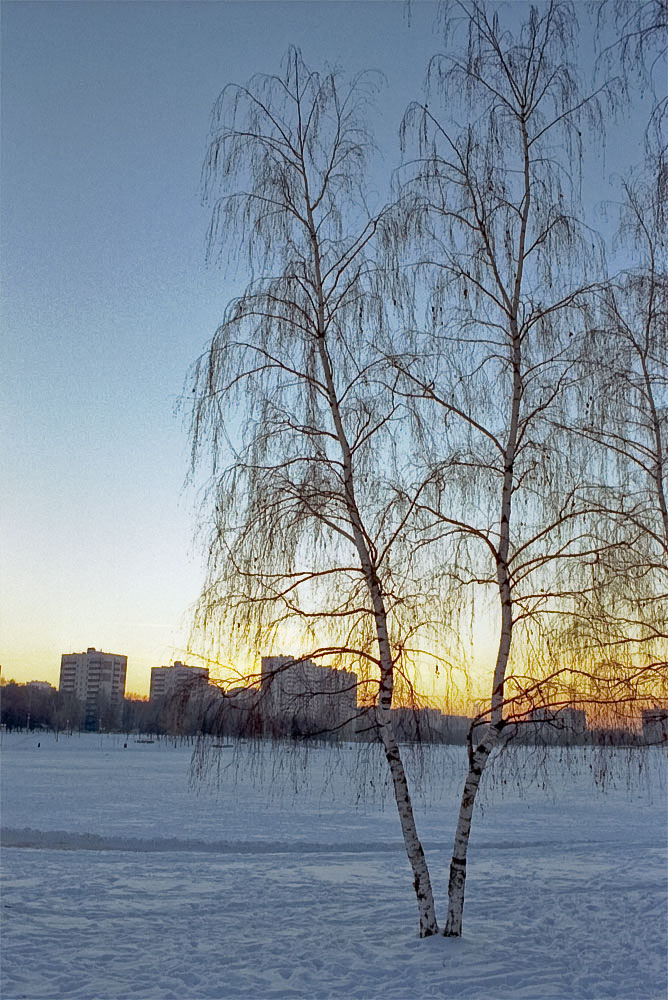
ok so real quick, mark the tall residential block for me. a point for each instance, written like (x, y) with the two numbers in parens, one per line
(302, 696)
(97, 679)
(655, 725)
(166, 681)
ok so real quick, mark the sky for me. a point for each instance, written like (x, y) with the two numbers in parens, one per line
(107, 300)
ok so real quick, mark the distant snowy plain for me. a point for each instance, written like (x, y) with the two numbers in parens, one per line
(282, 875)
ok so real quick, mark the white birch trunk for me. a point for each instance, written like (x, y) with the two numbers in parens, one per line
(657, 470)
(421, 880)
(457, 881)
(428, 924)
(479, 756)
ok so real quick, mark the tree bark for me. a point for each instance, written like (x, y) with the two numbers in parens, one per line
(479, 756)
(457, 881)
(428, 924)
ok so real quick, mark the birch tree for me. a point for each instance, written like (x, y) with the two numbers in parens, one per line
(638, 53)
(490, 194)
(291, 403)
(634, 312)
(626, 432)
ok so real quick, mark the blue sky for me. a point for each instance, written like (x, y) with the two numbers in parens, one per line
(107, 300)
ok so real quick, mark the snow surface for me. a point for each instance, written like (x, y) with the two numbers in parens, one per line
(283, 875)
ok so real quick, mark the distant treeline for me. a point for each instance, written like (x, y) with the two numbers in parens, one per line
(189, 712)
(195, 711)
(40, 706)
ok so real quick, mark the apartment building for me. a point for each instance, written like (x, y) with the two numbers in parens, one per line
(301, 696)
(97, 679)
(560, 726)
(655, 725)
(167, 681)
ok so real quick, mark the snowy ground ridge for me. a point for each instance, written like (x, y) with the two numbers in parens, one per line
(66, 840)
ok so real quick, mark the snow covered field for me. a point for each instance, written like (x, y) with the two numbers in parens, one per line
(288, 878)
